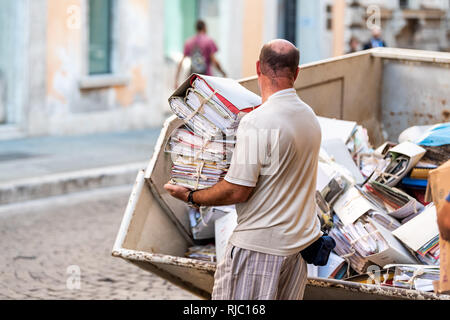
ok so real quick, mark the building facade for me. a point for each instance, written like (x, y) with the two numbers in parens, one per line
(81, 66)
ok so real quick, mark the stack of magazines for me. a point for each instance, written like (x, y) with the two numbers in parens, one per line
(211, 109)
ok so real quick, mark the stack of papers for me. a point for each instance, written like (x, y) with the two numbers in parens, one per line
(186, 143)
(344, 248)
(196, 174)
(369, 242)
(416, 277)
(421, 234)
(212, 107)
(395, 202)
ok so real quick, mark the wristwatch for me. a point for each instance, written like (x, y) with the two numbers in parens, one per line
(191, 201)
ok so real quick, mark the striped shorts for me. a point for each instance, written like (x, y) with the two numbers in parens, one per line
(250, 275)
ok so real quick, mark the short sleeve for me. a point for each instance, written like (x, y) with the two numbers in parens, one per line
(245, 166)
(187, 49)
(213, 47)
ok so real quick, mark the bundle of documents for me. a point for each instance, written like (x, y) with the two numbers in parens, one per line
(370, 242)
(377, 203)
(345, 249)
(212, 107)
(395, 202)
(189, 144)
(416, 277)
(196, 174)
(421, 234)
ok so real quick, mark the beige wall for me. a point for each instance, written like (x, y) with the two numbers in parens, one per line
(126, 99)
(338, 27)
(252, 28)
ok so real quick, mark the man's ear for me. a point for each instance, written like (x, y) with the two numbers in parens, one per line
(258, 68)
(296, 73)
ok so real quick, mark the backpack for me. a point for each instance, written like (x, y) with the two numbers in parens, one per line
(198, 61)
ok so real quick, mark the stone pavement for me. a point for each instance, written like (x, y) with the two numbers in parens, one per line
(36, 157)
(42, 238)
(41, 167)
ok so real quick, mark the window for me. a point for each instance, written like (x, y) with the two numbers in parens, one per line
(404, 4)
(100, 36)
(179, 20)
(329, 15)
(288, 20)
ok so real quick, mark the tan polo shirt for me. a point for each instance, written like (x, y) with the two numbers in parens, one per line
(277, 152)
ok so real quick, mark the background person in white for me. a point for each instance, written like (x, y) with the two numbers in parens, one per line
(276, 212)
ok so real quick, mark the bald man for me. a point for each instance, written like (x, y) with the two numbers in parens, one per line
(273, 193)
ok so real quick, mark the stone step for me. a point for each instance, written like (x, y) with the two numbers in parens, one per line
(68, 182)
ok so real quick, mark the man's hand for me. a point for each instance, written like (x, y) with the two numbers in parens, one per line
(177, 192)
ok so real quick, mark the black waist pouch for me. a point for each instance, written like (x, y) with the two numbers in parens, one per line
(319, 252)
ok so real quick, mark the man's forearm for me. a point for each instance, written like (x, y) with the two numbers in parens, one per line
(219, 195)
(219, 67)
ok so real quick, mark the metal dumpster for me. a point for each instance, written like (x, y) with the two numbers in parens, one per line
(385, 90)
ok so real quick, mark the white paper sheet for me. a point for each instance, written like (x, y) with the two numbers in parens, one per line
(420, 230)
(224, 228)
(336, 129)
(338, 150)
(352, 205)
(240, 97)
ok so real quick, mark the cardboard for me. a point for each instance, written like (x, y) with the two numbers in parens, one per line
(444, 282)
(438, 189)
(339, 151)
(351, 206)
(420, 230)
(439, 184)
(334, 128)
(395, 254)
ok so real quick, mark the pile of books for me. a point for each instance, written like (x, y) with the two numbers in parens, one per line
(211, 109)
(378, 217)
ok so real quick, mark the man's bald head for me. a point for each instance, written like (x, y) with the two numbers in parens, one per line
(279, 59)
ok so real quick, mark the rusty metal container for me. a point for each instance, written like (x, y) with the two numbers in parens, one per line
(385, 90)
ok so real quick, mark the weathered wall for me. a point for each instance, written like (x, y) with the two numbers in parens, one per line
(425, 100)
(137, 57)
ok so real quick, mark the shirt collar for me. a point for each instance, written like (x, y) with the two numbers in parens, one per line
(282, 93)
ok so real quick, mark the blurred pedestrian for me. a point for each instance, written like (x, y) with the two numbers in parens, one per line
(354, 45)
(376, 41)
(444, 219)
(201, 49)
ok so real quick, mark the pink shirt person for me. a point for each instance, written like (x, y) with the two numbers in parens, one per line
(205, 44)
(201, 50)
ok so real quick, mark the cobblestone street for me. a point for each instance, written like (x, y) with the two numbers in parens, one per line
(40, 240)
